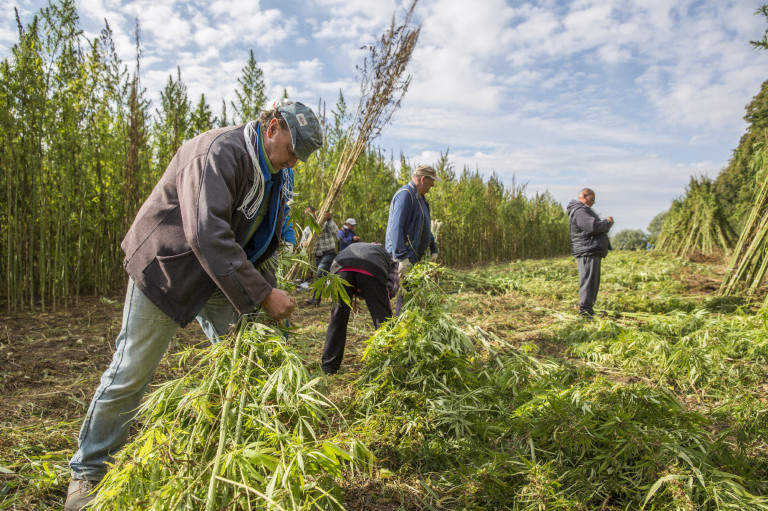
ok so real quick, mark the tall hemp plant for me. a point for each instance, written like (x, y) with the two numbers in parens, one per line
(750, 257)
(22, 98)
(44, 97)
(696, 223)
(173, 120)
(750, 260)
(382, 88)
(251, 95)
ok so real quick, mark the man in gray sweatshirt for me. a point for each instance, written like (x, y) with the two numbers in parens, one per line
(589, 244)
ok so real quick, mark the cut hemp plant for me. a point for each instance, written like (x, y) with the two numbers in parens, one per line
(489, 426)
(239, 431)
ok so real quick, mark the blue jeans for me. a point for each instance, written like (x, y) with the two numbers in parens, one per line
(140, 345)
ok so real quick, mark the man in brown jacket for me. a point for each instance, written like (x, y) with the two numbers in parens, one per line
(196, 250)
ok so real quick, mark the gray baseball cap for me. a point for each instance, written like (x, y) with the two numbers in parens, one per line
(304, 127)
(427, 171)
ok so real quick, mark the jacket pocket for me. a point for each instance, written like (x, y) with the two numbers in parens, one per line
(176, 274)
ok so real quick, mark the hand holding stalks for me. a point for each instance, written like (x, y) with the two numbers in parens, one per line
(278, 304)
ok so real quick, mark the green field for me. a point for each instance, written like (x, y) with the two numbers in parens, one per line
(488, 392)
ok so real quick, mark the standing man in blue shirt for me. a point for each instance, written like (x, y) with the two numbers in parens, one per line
(409, 230)
(347, 234)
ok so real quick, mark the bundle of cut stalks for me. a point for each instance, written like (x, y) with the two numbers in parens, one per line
(750, 257)
(696, 224)
(382, 89)
(240, 431)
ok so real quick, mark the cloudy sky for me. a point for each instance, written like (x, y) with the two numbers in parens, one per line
(628, 97)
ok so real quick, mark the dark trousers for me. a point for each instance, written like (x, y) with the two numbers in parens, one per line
(589, 283)
(376, 298)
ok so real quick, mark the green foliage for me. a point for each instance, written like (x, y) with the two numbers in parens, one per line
(224, 120)
(173, 120)
(484, 221)
(737, 182)
(654, 228)
(721, 359)
(251, 96)
(633, 446)
(202, 119)
(651, 408)
(66, 172)
(749, 262)
(657, 222)
(762, 43)
(677, 349)
(497, 428)
(629, 239)
(331, 286)
(427, 390)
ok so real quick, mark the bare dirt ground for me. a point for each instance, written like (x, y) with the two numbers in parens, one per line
(51, 363)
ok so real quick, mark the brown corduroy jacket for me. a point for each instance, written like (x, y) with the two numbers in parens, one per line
(187, 237)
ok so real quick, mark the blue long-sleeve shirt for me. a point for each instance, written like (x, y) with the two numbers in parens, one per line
(346, 237)
(409, 231)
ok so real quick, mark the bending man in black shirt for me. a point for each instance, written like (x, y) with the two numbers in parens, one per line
(373, 275)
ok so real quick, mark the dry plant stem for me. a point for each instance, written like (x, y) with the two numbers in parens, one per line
(750, 261)
(252, 490)
(696, 223)
(210, 503)
(243, 396)
(382, 88)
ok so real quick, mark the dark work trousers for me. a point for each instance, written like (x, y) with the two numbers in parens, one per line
(376, 297)
(589, 283)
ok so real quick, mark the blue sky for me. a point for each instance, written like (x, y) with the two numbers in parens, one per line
(627, 97)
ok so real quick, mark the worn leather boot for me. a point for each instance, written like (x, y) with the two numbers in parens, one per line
(79, 494)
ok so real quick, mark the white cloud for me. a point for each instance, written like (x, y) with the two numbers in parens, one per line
(358, 22)
(209, 38)
(164, 25)
(356, 28)
(473, 29)
(377, 11)
(613, 54)
(267, 29)
(99, 10)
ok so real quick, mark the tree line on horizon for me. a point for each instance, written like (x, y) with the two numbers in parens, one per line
(82, 146)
